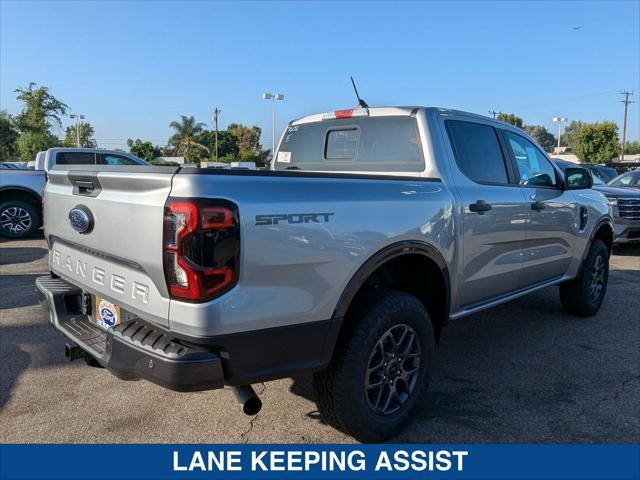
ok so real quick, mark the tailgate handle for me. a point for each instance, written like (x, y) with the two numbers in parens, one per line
(85, 184)
(84, 187)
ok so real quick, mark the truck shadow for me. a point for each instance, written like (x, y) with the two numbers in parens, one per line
(44, 351)
(18, 290)
(14, 255)
(629, 250)
(37, 235)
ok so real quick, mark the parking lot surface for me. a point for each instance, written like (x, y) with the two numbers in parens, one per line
(520, 373)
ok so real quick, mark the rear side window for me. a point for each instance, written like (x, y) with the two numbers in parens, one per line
(477, 151)
(379, 144)
(76, 158)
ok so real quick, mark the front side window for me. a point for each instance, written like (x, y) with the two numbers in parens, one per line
(534, 167)
(477, 152)
(111, 159)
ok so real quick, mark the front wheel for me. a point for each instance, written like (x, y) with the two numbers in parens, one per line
(380, 369)
(584, 295)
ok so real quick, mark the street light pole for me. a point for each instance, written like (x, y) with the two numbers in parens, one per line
(273, 97)
(559, 121)
(78, 119)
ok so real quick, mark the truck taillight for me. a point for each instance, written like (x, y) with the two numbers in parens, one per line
(201, 248)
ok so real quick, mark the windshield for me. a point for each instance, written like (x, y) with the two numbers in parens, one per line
(627, 179)
(375, 144)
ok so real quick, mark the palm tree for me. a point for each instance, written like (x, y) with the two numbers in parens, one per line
(186, 130)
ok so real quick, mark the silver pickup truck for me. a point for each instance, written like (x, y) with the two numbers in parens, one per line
(372, 229)
(21, 189)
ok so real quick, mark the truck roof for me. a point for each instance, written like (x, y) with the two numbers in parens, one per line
(390, 111)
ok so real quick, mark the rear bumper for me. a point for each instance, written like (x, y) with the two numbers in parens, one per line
(137, 349)
(133, 350)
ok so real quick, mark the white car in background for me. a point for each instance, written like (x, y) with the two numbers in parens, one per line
(21, 188)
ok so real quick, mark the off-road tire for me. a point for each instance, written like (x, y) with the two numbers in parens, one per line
(340, 389)
(18, 206)
(577, 296)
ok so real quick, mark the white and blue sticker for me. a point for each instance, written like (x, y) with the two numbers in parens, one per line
(107, 314)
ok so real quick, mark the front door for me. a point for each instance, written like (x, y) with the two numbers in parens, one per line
(553, 214)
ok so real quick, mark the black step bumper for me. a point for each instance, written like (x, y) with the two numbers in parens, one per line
(132, 350)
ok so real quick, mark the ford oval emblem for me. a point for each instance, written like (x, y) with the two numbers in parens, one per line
(81, 219)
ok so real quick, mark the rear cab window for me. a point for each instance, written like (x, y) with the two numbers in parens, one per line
(374, 144)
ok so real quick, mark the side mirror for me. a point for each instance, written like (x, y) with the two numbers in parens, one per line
(577, 178)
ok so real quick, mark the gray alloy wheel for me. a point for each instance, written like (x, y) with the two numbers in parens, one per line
(597, 278)
(394, 365)
(15, 220)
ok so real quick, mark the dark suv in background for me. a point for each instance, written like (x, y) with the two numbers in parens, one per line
(606, 174)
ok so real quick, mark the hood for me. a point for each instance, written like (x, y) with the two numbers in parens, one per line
(617, 191)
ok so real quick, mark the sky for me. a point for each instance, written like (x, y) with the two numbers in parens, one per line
(133, 67)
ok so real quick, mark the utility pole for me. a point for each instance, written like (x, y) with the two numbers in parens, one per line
(494, 113)
(216, 112)
(626, 102)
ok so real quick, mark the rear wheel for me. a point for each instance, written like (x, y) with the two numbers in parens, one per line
(18, 219)
(380, 367)
(584, 295)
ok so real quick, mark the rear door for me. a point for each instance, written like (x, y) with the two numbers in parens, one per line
(119, 256)
(553, 213)
(492, 211)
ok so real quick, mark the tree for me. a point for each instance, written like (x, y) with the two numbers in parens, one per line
(227, 144)
(31, 142)
(184, 138)
(144, 150)
(41, 110)
(510, 118)
(8, 137)
(40, 113)
(632, 148)
(596, 142)
(86, 136)
(543, 136)
(568, 137)
(248, 138)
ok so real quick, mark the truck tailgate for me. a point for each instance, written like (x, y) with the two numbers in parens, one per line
(119, 257)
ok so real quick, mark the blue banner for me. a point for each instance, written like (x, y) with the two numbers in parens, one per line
(282, 462)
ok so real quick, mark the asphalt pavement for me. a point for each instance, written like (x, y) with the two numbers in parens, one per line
(520, 373)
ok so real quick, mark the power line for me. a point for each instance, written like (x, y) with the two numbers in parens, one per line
(626, 102)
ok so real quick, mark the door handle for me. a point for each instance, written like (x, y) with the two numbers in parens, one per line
(480, 207)
(537, 206)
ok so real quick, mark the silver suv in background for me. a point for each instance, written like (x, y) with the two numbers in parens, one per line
(21, 189)
(372, 229)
